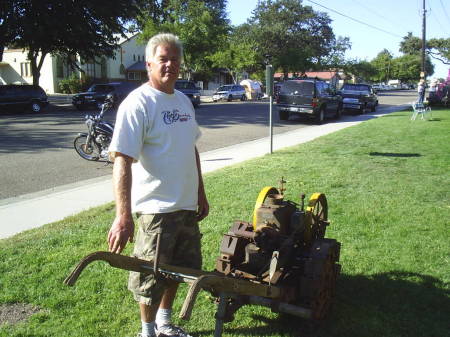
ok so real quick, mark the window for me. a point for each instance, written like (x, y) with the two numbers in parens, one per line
(134, 76)
(59, 67)
(90, 70)
(103, 68)
(25, 69)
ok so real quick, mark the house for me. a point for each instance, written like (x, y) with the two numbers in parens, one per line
(333, 77)
(128, 64)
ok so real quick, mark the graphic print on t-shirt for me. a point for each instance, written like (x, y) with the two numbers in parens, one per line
(170, 117)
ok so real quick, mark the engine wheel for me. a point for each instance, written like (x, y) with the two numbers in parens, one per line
(262, 196)
(316, 217)
(317, 287)
(230, 98)
(86, 151)
(243, 97)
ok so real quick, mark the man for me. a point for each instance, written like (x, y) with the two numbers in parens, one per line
(157, 170)
(421, 90)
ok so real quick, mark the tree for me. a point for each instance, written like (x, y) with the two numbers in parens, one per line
(439, 49)
(411, 45)
(362, 70)
(295, 36)
(9, 26)
(67, 28)
(383, 65)
(237, 53)
(201, 25)
(407, 67)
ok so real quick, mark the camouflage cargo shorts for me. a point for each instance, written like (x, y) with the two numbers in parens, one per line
(179, 246)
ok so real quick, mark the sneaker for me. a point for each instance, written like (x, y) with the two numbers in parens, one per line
(170, 330)
(141, 335)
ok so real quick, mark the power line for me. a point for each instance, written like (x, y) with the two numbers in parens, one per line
(445, 11)
(372, 11)
(356, 20)
(436, 18)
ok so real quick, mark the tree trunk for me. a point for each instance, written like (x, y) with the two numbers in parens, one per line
(36, 64)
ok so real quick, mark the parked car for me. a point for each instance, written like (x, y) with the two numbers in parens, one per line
(24, 97)
(230, 92)
(359, 97)
(190, 90)
(308, 97)
(96, 94)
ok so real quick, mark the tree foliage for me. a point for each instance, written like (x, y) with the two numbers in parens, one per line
(295, 36)
(405, 68)
(360, 69)
(201, 25)
(65, 27)
(438, 49)
(237, 53)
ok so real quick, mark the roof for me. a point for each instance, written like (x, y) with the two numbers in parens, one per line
(128, 37)
(138, 66)
(326, 75)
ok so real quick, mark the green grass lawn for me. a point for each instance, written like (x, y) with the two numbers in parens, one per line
(387, 181)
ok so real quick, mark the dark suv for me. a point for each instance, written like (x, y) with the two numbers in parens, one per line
(308, 97)
(190, 90)
(31, 97)
(359, 97)
(96, 94)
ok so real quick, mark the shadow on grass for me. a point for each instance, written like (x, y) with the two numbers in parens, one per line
(391, 154)
(387, 304)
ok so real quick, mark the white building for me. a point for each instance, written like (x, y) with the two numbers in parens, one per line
(128, 64)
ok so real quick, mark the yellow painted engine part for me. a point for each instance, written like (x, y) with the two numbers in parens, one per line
(316, 215)
(262, 196)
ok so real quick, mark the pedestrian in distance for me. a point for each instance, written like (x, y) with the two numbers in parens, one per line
(157, 175)
(421, 90)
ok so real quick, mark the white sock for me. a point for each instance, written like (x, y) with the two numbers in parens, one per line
(163, 317)
(148, 329)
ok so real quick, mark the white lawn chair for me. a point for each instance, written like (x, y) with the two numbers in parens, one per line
(422, 110)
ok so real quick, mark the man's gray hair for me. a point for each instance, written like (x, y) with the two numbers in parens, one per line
(162, 39)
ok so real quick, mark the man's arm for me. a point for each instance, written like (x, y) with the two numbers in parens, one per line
(122, 228)
(203, 206)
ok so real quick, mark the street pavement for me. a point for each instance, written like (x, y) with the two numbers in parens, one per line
(37, 209)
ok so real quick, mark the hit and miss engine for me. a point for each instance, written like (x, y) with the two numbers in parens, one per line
(285, 246)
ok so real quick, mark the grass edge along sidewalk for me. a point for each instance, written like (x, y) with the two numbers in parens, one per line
(386, 181)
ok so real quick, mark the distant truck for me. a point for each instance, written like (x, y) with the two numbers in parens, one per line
(359, 97)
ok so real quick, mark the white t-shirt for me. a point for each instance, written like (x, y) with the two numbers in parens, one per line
(159, 132)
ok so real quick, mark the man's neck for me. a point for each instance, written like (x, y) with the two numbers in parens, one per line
(167, 89)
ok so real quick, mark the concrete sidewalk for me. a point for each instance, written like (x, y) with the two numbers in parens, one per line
(36, 209)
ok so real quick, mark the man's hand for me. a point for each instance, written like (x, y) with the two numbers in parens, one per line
(203, 205)
(122, 228)
(122, 231)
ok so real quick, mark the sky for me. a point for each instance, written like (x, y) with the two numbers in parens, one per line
(392, 20)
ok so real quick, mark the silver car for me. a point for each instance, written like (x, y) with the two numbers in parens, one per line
(230, 92)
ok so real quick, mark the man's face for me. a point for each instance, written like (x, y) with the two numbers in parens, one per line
(164, 68)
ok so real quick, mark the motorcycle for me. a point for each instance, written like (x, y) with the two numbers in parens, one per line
(94, 144)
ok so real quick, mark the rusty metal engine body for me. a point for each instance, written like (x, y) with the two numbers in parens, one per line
(285, 247)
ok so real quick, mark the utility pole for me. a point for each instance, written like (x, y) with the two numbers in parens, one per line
(423, 73)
